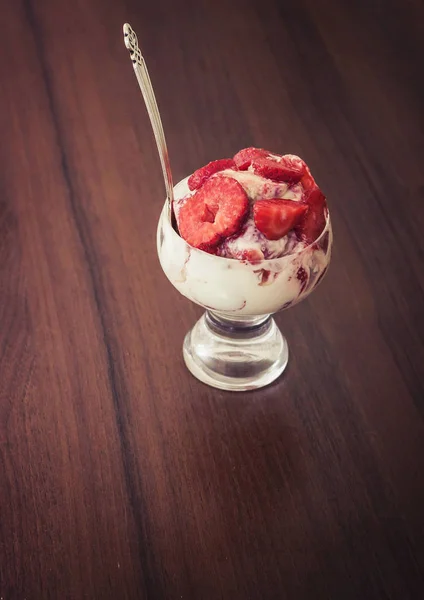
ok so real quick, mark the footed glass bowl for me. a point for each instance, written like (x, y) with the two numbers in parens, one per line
(236, 344)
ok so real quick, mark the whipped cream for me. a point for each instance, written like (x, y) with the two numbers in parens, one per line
(238, 287)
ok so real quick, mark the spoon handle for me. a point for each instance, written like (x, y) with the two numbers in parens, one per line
(142, 74)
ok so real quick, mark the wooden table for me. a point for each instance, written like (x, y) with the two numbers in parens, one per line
(121, 476)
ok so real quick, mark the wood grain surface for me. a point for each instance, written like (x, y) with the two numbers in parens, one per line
(123, 477)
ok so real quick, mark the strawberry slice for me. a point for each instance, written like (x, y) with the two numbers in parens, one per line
(276, 217)
(252, 255)
(244, 157)
(201, 175)
(312, 223)
(215, 211)
(307, 181)
(288, 168)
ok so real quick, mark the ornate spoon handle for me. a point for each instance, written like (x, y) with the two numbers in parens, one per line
(142, 74)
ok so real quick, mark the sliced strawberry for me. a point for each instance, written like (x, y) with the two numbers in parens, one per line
(216, 210)
(274, 218)
(195, 225)
(252, 255)
(201, 175)
(244, 157)
(307, 181)
(312, 223)
(288, 168)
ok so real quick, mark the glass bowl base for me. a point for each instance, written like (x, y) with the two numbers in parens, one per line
(235, 354)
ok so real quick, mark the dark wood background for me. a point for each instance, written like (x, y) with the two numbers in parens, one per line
(121, 476)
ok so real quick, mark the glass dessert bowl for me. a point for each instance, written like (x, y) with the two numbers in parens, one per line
(242, 278)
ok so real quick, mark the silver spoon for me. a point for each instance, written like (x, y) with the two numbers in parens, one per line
(142, 74)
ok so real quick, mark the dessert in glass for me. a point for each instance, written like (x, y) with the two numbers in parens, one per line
(245, 238)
